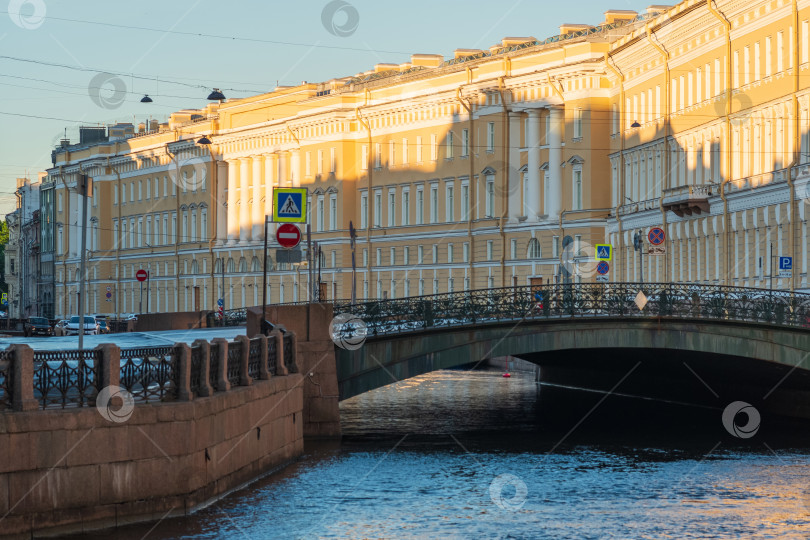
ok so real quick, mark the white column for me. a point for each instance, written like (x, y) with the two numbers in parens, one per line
(283, 175)
(233, 218)
(244, 215)
(269, 182)
(534, 165)
(295, 167)
(221, 201)
(513, 191)
(555, 161)
(257, 207)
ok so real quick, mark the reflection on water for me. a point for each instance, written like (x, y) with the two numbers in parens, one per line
(458, 454)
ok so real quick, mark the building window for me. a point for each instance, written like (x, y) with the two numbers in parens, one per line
(465, 251)
(404, 151)
(319, 162)
(364, 158)
(332, 212)
(406, 207)
(490, 196)
(489, 250)
(378, 259)
(332, 160)
(392, 252)
(435, 251)
(363, 210)
(391, 153)
(491, 137)
(320, 212)
(419, 149)
(465, 202)
(392, 208)
(377, 155)
(420, 254)
(555, 247)
(577, 123)
(420, 206)
(377, 209)
(365, 257)
(533, 252)
(449, 145)
(434, 204)
(434, 147)
(576, 203)
(450, 253)
(465, 143)
(513, 249)
(449, 204)
(406, 255)
(307, 163)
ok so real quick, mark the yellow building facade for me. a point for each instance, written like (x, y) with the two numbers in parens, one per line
(710, 142)
(468, 173)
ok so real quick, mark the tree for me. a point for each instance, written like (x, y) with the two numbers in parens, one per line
(3, 242)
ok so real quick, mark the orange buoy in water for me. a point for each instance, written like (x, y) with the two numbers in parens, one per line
(507, 375)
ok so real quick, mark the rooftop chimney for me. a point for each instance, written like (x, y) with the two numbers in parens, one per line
(569, 28)
(461, 53)
(427, 60)
(512, 41)
(614, 15)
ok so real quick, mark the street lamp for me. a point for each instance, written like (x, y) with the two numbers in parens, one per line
(216, 95)
(146, 99)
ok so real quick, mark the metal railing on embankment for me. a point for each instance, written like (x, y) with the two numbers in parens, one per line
(66, 379)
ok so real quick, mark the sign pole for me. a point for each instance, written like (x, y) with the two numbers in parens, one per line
(140, 299)
(309, 271)
(84, 179)
(264, 277)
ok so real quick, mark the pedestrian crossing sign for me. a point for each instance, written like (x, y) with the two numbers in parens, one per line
(290, 205)
(604, 252)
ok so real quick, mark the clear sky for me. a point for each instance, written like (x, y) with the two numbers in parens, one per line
(86, 62)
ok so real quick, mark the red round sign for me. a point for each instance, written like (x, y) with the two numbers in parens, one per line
(288, 235)
(141, 275)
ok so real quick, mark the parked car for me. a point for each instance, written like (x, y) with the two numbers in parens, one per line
(102, 326)
(37, 326)
(90, 326)
(60, 328)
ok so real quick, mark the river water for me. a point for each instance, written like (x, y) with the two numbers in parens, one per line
(470, 454)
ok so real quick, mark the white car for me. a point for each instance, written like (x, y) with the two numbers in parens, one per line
(90, 326)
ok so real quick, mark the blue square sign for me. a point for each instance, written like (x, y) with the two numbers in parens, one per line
(785, 263)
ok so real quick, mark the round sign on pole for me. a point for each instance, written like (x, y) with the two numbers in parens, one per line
(602, 268)
(656, 236)
(288, 235)
(141, 275)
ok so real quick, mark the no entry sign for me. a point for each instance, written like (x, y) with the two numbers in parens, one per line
(141, 275)
(288, 235)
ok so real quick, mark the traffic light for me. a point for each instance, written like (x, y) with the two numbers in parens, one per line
(637, 241)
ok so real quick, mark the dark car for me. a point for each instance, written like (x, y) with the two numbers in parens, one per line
(37, 326)
(102, 326)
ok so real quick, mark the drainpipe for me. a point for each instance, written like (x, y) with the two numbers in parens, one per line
(473, 191)
(212, 239)
(666, 177)
(370, 170)
(117, 246)
(727, 139)
(796, 145)
(504, 200)
(177, 228)
(620, 196)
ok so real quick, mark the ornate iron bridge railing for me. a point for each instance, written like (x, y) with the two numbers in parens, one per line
(576, 301)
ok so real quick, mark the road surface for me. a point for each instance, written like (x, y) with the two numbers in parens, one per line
(126, 340)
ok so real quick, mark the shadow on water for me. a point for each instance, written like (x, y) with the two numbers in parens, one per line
(420, 455)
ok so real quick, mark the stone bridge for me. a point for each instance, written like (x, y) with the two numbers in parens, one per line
(695, 344)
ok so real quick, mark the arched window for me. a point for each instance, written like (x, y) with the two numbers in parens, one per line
(255, 265)
(242, 265)
(231, 266)
(534, 251)
(218, 266)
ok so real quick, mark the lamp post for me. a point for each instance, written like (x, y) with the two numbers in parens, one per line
(264, 275)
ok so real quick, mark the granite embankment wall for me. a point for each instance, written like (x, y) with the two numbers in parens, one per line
(203, 421)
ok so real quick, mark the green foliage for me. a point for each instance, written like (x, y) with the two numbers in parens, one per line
(3, 242)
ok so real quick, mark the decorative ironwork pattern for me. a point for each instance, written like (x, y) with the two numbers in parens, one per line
(235, 317)
(289, 355)
(583, 300)
(272, 355)
(196, 374)
(255, 358)
(213, 367)
(6, 379)
(234, 359)
(150, 373)
(66, 378)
